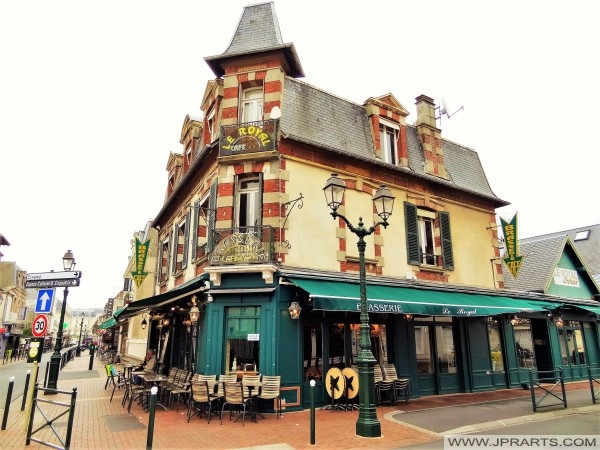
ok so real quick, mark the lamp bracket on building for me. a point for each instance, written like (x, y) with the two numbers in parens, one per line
(288, 209)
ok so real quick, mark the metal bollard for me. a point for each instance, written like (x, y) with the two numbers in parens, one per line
(11, 383)
(91, 358)
(46, 375)
(312, 412)
(25, 390)
(151, 410)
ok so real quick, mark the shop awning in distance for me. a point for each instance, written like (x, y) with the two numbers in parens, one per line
(109, 323)
(156, 301)
(344, 296)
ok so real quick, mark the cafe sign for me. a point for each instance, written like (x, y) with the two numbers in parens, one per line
(239, 248)
(249, 137)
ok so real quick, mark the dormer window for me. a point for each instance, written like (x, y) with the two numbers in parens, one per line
(252, 105)
(388, 138)
(172, 179)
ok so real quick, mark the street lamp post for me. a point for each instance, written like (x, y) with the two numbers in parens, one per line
(78, 352)
(68, 264)
(367, 424)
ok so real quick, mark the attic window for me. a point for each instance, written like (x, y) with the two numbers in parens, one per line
(388, 136)
(582, 235)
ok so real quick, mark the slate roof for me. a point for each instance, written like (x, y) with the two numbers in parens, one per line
(540, 257)
(588, 249)
(316, 117)
(321, 119)
(257, 32)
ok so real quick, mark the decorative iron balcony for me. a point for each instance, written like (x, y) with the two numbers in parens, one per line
(249, 137)
(242, 245)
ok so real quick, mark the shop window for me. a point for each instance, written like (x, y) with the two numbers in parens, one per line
(423, 350)
(524, 343)
(388, 138)
(243, 338)
(378, 343)
(495, 344)
(248, 203)
(423, 248)
(336, 346)
(313, 353)
(445, 348)
(571, 343)
(252, 105)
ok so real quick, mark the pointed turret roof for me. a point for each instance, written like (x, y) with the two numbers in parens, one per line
(257, 32)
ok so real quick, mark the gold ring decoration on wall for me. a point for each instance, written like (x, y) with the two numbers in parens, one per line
(334, 383)
(351, 380)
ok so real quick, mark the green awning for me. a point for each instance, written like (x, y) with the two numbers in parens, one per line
(109, 323)
(163, 300)
(594, 309)
(343, 296)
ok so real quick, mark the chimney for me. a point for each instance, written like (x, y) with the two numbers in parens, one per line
(431, 137)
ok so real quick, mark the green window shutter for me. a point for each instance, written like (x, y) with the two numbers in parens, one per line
(186, 240)
(446, 240)
(194, 229)
(412, 233)
(211, 216)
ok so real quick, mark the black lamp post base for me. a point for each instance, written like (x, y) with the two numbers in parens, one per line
(368, 428)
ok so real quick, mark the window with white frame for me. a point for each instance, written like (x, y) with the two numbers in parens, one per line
(252, 105)
(422, 227)
(248, 202)
(388, 138)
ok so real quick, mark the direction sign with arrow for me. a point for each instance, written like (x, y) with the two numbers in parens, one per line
(51, 283)
(68, 275)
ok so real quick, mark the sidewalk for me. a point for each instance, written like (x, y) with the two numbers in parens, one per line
(100, 424)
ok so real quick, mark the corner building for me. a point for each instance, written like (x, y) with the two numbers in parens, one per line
(245, 233)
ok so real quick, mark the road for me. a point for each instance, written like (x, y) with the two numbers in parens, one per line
(19, 371)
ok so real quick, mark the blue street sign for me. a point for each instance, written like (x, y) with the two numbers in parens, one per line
(44, 301)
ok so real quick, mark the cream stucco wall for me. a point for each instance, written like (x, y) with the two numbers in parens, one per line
(313, 234)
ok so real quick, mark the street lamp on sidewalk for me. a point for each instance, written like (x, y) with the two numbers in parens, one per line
(68, 264)
(367, 424)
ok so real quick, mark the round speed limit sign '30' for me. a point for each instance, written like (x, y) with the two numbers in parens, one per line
(39, 325)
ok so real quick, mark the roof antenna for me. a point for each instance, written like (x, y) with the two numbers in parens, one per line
(443, 109)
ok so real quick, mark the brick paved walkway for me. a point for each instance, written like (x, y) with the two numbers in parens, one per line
(101, 424)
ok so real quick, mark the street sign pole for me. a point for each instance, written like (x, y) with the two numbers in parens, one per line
(56, 356)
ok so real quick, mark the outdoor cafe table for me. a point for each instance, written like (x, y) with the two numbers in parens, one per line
(155, 380)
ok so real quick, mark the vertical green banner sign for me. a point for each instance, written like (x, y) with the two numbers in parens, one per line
(511, 243)
(141, 252)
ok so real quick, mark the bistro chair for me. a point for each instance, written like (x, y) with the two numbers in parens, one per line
(179, 387)
(199, 399)
(271, 390)
(118, 381)
(234, 397)
(220, 394)
(382, 385)
(401, 385)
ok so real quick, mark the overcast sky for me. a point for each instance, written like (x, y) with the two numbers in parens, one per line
(93, 96)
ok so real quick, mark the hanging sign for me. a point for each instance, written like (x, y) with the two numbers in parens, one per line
(512, 260)
(141, 252)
